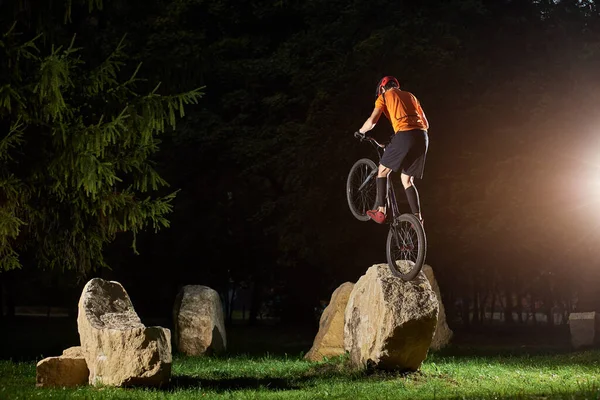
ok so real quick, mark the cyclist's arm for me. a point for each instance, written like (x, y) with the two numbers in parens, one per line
(371, 121)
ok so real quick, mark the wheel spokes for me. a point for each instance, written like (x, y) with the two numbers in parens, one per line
(405, 243)
(363, 198)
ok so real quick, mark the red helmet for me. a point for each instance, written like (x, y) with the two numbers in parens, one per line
(384, 81)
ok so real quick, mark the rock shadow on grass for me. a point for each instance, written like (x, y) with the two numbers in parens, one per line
(320, 371)
(236, 383)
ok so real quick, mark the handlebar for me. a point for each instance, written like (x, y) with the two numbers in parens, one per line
(363, 137)
(359, 135)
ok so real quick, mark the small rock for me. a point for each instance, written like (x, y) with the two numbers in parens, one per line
(67, 370)
(583, 329)
(74, 352)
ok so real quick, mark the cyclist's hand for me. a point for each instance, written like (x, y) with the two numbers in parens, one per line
(359, 135)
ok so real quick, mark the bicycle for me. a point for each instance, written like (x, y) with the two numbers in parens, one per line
(406, 244)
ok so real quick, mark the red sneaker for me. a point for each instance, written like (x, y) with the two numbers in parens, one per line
(376, 216)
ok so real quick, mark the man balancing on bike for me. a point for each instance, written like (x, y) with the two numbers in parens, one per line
(408, 147)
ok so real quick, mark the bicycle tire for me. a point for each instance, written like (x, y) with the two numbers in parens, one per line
(361, 202)
(396, 252)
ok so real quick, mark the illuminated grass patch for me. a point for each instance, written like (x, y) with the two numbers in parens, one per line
(552, 376)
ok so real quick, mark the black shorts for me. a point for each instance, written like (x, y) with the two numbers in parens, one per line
(406, 152)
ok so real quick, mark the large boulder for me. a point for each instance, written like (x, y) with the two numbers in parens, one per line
(198, 325)
(67, 370)
(389, 322)
(118, 348)
(443, 333)
(329, 341)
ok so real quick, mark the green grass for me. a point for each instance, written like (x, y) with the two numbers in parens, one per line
(457, 374)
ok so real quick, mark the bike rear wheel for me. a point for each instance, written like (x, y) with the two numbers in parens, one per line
(361, 188)
(406, 247)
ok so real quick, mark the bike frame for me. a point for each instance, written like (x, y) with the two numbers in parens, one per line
(391, 202)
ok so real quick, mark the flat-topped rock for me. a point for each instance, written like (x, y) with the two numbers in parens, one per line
(389, 323)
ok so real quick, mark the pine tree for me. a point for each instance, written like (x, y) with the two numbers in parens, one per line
(75, 154)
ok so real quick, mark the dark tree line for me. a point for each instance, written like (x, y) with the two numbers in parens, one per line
(510, 89)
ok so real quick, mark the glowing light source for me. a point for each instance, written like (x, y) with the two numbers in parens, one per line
(595, 182)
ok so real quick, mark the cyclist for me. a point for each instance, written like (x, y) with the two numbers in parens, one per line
(407, 148)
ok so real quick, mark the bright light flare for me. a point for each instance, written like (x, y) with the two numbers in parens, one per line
(593, 176)
(581, 169)
(595, 182)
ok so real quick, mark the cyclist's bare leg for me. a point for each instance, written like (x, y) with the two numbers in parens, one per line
(383, 173)
(408, 181)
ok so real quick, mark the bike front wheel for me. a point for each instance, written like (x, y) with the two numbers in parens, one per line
(406, 247)
(361, 188)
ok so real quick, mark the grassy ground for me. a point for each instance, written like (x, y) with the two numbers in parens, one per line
(502, 365)
(550, 376)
